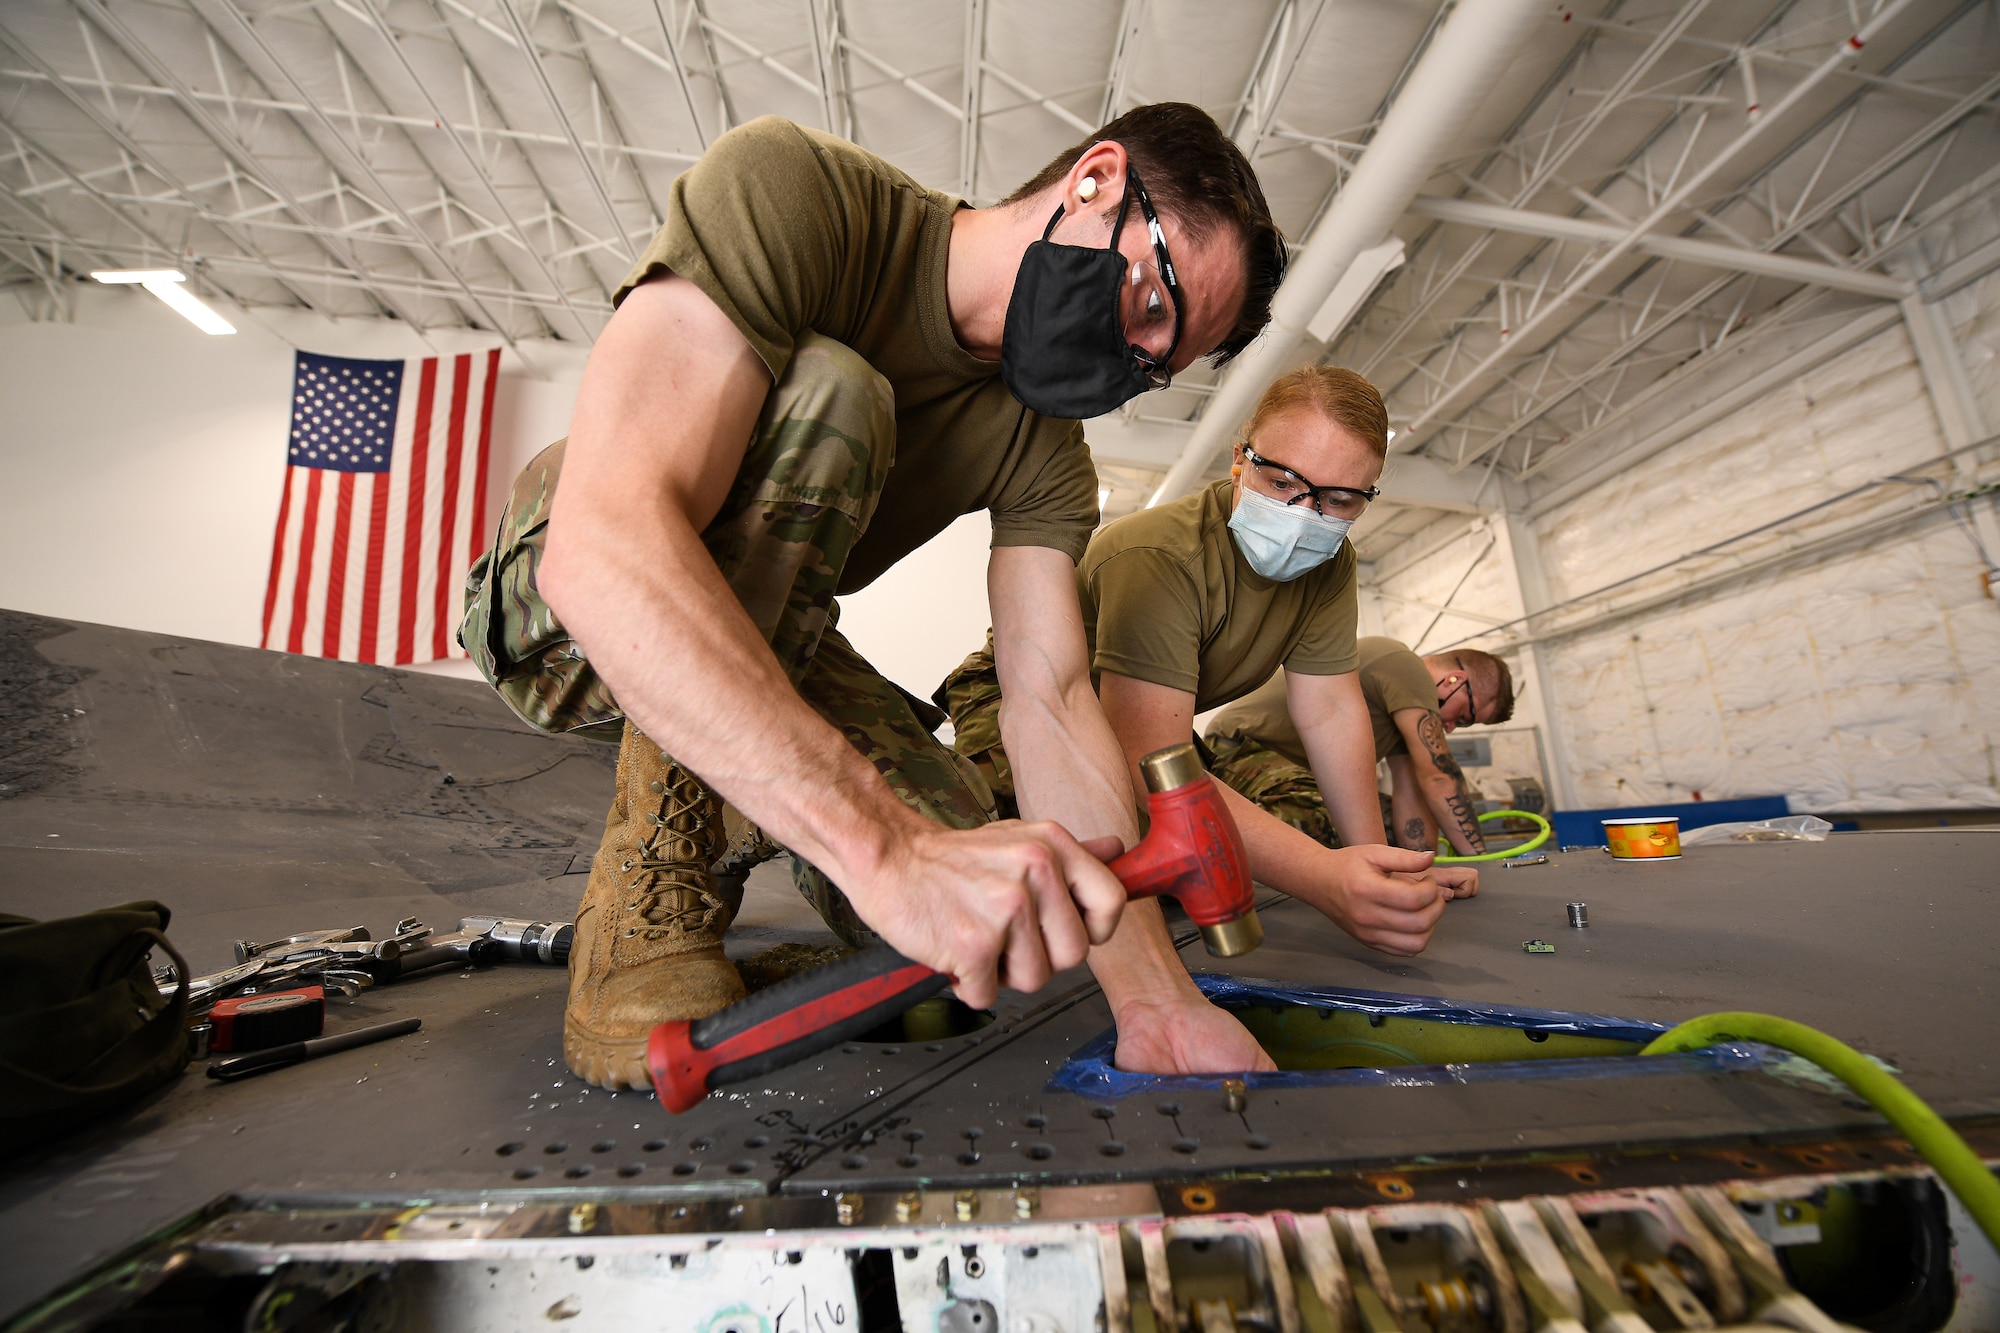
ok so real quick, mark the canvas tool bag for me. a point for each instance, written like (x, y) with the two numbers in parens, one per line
(83, 1027)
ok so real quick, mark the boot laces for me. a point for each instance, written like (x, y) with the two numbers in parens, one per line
(672, 893)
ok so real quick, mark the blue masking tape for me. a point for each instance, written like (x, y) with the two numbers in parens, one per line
(1090, 1072)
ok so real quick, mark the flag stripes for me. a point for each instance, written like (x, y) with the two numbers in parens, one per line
(383, 508)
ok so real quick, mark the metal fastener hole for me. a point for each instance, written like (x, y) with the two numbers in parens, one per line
(1257, 1141)
(1036, 1122)
(652, 1145)
(509, 1149)
(604, 1145)
(557, 1147)
(757, 1141)
(974, 1132)
(631, 1169)
(854, 1161)
(1186, 1145)
(913, 1135)
(741, 1168)
(968, 1159)
(1111, 1148)
(526, 1172)
(932, 1048)
(1104, 1112)
(686, 1168)
(909, 1159)
(1169, 1108)
(701, 1145)
(1040, 1152)
(579, 1171)
(850, 1050)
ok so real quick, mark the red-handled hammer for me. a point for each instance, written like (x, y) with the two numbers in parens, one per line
(1192, 851)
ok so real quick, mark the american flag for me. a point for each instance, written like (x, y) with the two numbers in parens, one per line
(384, 506)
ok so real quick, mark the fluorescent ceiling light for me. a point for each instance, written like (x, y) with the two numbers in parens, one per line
(165, 283)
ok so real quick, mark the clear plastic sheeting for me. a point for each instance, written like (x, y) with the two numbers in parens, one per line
(1791, 828)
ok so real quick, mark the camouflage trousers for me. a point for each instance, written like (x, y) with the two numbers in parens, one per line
(971, 696)
(808, 486)
(1284, 788)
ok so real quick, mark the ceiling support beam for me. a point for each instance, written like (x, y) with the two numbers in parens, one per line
(1797, 226)
(532, 56)
(476, 86)
(679, 70)
(138, 154)
(1470, 52)
(138, 256)
(1699, 416)
(1676, 198)
(972, 92)
(1131, 18)
(1711, 254)
(246, 160)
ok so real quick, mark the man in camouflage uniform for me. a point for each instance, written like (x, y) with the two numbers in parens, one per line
(1413, 704)
(794, 392)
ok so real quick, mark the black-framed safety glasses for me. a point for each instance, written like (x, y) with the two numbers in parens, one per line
(1281, 483)
(1148, 290)
(1471, 700)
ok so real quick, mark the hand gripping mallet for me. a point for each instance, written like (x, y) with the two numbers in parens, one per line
(1192, 851)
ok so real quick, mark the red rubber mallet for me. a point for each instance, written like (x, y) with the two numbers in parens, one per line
(1192, 851)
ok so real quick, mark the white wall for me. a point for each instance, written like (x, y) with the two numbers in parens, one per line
(143, 461)
(1865, 681)
(143, 458)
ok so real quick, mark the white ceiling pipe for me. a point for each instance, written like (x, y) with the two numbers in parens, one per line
(1469, 54)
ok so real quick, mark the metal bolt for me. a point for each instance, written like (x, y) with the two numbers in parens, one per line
(582, 1219)
(908, 1205)
(847, 1208)
(966, 1206)
(1579, 915)
(1235, 1094)
(1027, 1202)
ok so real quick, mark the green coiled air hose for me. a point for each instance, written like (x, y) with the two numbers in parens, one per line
(1948, 1154)
(1522, 850)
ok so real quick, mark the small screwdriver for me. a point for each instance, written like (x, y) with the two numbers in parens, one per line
(274, 1056)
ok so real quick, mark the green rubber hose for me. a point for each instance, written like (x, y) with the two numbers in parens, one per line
(1522, 850)
(1956, 1164)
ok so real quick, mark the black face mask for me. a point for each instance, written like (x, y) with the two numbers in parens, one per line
(1063, 351)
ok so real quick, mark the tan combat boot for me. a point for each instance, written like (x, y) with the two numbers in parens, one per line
(648, 946)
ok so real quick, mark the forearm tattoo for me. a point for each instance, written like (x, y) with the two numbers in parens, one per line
(1413, 835)
(1431, 731)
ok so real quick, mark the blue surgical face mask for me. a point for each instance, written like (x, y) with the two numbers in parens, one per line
(1283, 541)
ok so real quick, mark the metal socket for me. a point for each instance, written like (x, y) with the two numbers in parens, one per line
(1579, 915)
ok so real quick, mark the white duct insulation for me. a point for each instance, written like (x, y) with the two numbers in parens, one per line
(1867, 678)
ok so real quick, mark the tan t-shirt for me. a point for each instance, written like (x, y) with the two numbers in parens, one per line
(788, 230)
(1167, 598)
(1392, 678)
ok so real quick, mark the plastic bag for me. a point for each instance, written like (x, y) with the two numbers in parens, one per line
(1790, 828)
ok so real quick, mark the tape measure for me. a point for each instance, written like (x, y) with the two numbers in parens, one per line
(252, 1022)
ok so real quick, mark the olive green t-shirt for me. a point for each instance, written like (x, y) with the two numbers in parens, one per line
(1392, 678)
(789, 230)
(1167, 598)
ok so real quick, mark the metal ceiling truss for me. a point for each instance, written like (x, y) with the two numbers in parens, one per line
(1530, 391)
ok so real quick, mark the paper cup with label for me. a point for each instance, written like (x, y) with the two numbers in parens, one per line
(1649, 838)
